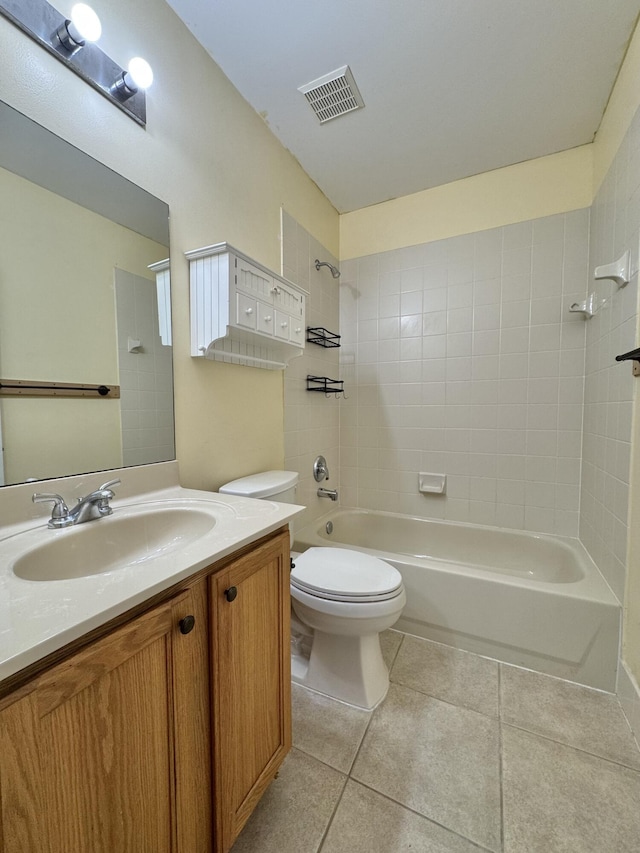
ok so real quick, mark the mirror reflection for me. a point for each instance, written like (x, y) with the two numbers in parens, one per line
(79, 304)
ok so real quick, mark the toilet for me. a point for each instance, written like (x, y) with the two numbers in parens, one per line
(341, 600)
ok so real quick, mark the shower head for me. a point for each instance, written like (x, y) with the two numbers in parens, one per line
(335, 272)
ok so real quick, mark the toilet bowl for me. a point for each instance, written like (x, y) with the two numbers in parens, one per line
(347, 598)
(341, 601)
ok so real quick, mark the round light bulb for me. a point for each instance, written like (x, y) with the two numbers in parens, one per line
(139, 74)
(85, 24)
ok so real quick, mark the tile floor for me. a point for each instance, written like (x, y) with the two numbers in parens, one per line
(464, 754)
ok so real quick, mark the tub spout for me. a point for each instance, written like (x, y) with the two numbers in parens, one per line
(328, 493)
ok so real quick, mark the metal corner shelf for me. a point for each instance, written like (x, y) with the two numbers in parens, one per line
(322, 337)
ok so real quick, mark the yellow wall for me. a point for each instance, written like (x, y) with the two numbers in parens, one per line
(541, 187)
(622, 106)
(224, 176)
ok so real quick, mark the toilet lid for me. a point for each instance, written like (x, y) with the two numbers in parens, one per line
(344, 575)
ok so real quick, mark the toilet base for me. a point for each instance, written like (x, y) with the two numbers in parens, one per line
(350, 669)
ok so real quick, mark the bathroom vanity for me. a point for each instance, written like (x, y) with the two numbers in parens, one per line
(157, 728)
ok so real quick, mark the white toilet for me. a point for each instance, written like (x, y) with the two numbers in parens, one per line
(342, 599)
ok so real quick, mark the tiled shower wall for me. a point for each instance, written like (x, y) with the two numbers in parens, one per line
(460, 357)
(146, 376)
(311, 420)
(609, 386)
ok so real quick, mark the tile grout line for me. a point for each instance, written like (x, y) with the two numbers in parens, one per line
(333, 814)
(550, 739)
(444, 701)
(421, 815)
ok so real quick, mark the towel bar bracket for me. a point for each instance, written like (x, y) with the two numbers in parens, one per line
(634, 356)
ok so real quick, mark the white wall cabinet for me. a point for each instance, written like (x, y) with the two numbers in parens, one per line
(241, 312)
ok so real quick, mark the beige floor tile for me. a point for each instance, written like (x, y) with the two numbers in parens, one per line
(366, 822)
(560, 800)
(438, 759)
(449, 674)
(390, 642)
(296, 809)
(570, 713)
(326, 729)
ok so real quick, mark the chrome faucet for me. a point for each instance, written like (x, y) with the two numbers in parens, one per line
(95, 505)
(332, 494)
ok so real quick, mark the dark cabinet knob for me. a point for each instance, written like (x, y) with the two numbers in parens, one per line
(231, 593)
(187, 624)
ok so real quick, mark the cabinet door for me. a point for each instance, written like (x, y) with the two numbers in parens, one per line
(288, 299)
(193, 733)
(88, 755)
(252, 280)
(251, 689)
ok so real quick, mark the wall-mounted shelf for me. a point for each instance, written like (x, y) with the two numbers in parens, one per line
(241, 312)
(325, 385)
(322, 337)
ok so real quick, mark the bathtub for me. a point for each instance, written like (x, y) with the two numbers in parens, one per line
(532, 600)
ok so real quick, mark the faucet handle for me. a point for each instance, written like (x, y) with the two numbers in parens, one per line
(320, 469)
(108, 485)
(60, 508)
(59, 514)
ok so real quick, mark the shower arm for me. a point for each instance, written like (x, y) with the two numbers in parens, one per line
(335, 272)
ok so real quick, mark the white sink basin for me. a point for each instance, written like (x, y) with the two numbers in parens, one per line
(127, 538)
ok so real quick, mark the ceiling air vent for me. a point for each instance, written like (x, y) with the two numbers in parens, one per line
(333, 95)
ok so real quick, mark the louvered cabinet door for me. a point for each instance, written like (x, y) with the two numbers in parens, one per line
(251, 681)
(88, 756)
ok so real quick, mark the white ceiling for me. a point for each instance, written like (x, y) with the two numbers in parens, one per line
(452, 88)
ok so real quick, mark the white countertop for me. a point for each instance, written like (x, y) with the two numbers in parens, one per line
(40, 617)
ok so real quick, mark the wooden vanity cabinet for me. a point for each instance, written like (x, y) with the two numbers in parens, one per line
(251, 681)
(151, 739)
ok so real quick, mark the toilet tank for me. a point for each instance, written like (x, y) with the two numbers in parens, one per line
(274, 485)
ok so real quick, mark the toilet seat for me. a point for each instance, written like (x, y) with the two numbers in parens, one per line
(347, 576)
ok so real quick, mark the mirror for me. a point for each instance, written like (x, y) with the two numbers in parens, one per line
(79, 306)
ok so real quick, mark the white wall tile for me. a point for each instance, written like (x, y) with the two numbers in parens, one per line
(476, 378)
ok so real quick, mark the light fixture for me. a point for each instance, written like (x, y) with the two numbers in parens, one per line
(74, 33)
(137, 76)
(71, 40)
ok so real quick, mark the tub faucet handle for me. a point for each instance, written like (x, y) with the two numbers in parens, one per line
(320, 469)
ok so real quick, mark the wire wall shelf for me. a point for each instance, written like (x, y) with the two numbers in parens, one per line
(322, 337)
(325, 385)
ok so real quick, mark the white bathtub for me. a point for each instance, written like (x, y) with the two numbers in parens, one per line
(533, 600)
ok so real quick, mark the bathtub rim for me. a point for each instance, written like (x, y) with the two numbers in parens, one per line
(592, 586)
